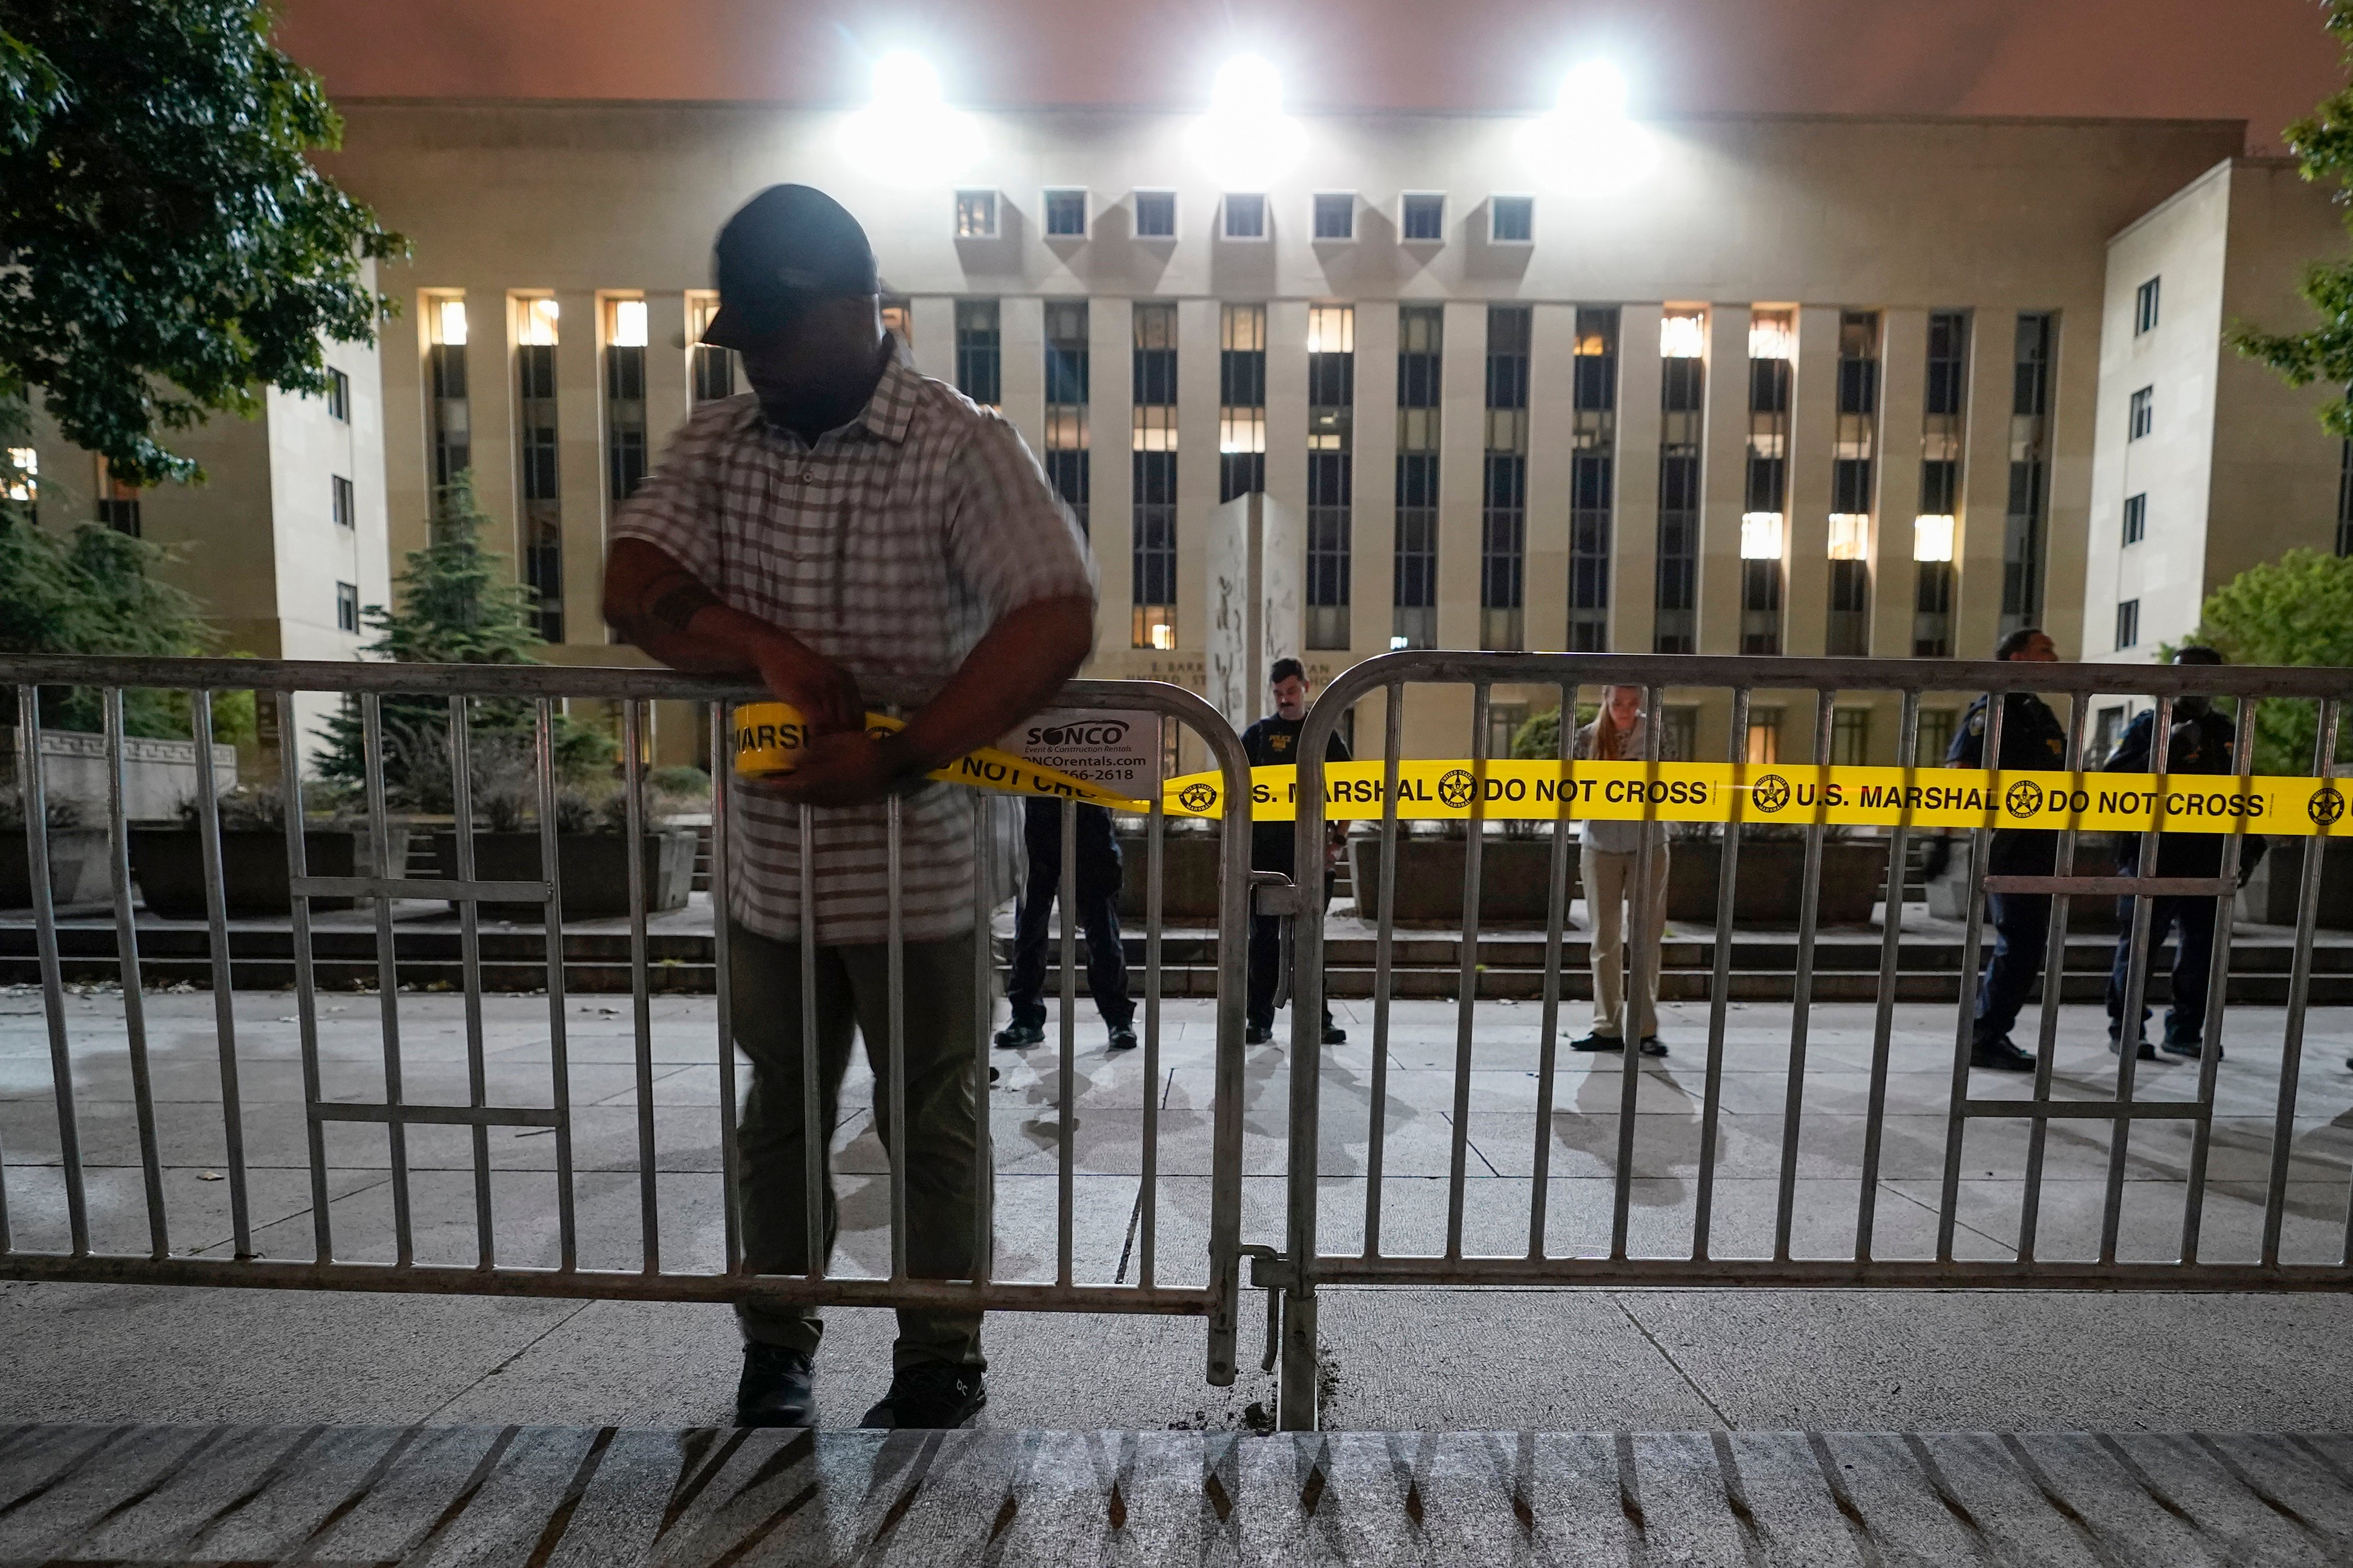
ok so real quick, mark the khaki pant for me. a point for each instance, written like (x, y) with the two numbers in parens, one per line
(943, 1127)
(1609, 881)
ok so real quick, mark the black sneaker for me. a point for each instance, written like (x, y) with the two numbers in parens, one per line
(2001, 1055)
(929, 1396)
(1019, 1036)
(1334, 1035)
(1653, 1046)
(2147, 1053)
(2193, 1050)
(1122, 1036)
(776, 1388)
(1258, 1035)
(1598, 1043)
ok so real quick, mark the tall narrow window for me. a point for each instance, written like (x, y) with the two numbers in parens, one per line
(1504, 502)
(118, 503)
(2127, 624)
(453, 449)
(2141, 417)
(976, 365)
(1592, 479)
(710, 370)
(1943, 422)
(1421, 342)
(1682, 413)
(1241, 400)
(1330, 461)
(344, 501)
(1772, 342)
(537, 457)
(2022, 539)
(625, 397)
(2135, 518)
(1154, 595)
(339, 395)
(1851, 496)
(347, 607)
(20, 480)
(1066, 404)
(2145, 308)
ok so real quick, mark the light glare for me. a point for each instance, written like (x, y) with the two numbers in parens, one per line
(629, 323)
(907, 134)
(1682, 337)
(1585, 146)
(1932, 537)
(453, 323)
(905, 79)
(1594, 90)
(1760, 536)
(1247, 85)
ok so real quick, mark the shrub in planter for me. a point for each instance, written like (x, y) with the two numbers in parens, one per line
(78, 873)
(1188, 872)
(592, 850)
(1771, 877)
(1515, 878)
(168, 863)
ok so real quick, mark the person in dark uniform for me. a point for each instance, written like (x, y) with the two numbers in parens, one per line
(1272, 743)
(2032, 738)
(2200, 742)
(1098, 915)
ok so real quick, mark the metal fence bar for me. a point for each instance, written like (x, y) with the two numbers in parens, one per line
(1719, 993)
(1810, 904)
(208, 838)
(894, 854)
(641, 1006)
(1949, 1197)
(1376, 1133)
(2218, 978)
(983, 1002)
(816, 1128)
(2055, 989)
(559, 1054)
(1066, 1067)
(134, 996)
(387, 971)
(1636, 930)
(1467, 984)
(2299, 992)
(723, 985)
(1147, 1195)
(1882, 1022)
(34, 795)
(470, 949)
(2129, 1021)
(306, 979)
(1548, 1033)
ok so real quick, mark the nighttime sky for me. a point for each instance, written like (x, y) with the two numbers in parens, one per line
(2260, 60)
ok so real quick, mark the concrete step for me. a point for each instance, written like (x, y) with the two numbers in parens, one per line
(156, 1494)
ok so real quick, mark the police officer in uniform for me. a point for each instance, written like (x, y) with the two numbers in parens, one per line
(2200, 742)
(2032, 739)
(1099, 877)
(1273, 742)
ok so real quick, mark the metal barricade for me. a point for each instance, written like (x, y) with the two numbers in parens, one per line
(1327, 1180)
(629, 1174)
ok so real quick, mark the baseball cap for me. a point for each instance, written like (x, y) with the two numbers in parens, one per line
(785, 248)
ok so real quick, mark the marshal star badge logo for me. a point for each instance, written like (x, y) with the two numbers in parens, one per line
(1197, 797)
(1456, 788)
(2023, 798)
(2327, 804)
(1771, 794)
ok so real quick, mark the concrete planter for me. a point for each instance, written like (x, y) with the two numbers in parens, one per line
(157, 775)
(594, 871)
(168, 864)
(1772, 880)
(1514, 880)
(2096, 856)
(78, 873)
(1188, 877)
(2270, 896)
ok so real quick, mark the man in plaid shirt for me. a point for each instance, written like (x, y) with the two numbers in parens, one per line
(850, 521)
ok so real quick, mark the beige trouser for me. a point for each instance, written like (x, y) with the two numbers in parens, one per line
(1609, 882)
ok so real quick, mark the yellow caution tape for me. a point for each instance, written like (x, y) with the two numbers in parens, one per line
(768, 734)
(1762, 792)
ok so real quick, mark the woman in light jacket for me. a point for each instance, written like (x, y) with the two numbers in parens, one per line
(1611, 866)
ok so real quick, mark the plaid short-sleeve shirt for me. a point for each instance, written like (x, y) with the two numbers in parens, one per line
(889, 546)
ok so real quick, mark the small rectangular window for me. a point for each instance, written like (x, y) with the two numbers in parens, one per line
(347, 607)
(975, 215)
(2145, 308)
(339, 395)
(1421, 217)
(2135, 518)
(1336, 215)
(2127, 624)
(1512, 220)
(1155, 214)
(1245, 216)
(1066, 215)
(2143, 417)
(345, 503)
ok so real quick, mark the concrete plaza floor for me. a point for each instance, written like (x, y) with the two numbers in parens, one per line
(1396, 1357)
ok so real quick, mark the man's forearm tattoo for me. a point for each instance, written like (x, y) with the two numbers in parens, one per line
(674, 601)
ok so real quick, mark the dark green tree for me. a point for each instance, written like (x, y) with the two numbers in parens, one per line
(2295, 610)
(2322, 144)
(97, 591)
(169, 249)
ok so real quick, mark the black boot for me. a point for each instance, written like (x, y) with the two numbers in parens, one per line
(776, 1388)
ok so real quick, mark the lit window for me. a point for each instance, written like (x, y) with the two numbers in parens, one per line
(344, 501)
(339, 395)
(2135, 518)
(899, 317)
(1245, 217)
(2145, 308)
(1772, 334)
(1066, 215)
(1336, 215)
(975, 215)
(1423, 217)
(1682, 336)
(536, 328)
(23, 481)
(1155, 214)
(1331, 329)
(1512, 220)
(1760, 536)
(453, 323)
(1850, 536)
(2127, 624)
(629, 323)
(1932, 538)
(347, 607)
(2142, 417)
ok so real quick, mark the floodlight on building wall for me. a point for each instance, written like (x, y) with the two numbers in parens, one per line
(1682, 336)
(1585, 146)
(1850, 536)
(908, 134)
(1760, 536)
(1246, 139)
(1932, 537)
